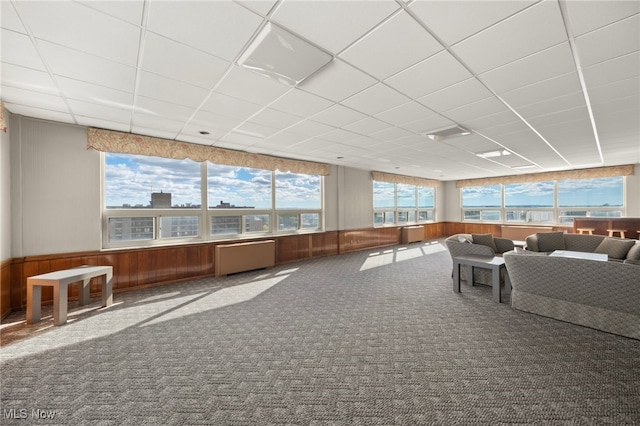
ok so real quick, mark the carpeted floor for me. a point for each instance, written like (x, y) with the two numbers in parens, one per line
(368, 338)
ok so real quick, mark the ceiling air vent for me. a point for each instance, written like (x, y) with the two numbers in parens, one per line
(449, 132)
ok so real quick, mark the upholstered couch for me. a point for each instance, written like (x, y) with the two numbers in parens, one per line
(485, 245)
(597, 294)
(617, 249)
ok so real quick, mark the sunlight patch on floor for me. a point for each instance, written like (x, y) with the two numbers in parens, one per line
(387, 257)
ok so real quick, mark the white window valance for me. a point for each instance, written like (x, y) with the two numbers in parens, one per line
(409, 180)
(128, 143)
(598, 172)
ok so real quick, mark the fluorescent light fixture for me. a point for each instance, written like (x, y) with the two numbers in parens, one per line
(279, 54)
(445, 133)
(492, 154)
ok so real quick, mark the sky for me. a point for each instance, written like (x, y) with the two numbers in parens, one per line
(130, 179)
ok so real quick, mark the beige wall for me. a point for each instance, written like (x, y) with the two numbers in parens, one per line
(5, 196)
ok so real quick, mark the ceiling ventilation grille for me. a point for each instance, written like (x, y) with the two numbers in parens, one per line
(449, 132)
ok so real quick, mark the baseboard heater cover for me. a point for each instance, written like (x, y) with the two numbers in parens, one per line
(411, 234)
(241, 257)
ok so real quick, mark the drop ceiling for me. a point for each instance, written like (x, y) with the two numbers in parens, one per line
(555, 83)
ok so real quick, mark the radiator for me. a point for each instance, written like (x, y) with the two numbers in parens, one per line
(412, 234)
(240, 257)
(514, 232)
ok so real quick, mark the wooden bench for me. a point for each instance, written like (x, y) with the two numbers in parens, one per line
(60, 280)
(495, 264)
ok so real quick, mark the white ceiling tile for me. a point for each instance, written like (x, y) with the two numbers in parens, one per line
(406, 113)
(391, 134)
(310, 128)
(103, 124)
(274, 118)
(187, 64)
(587, 16)
(543, 65)
(16, 95)
(216, 27)
(28, 79)
(155, 122)
(514, 38)
(81, 91)
(161, 108)
(550, 119)
(367, 126)
(192, 133)
(615, 90)
(10, 19)
(429, 124)
(376, 99)
(545, 89)
(209, 121)
(251, 87)
(437, 72)
(287, 138)
(338, 116)
(609, 42)
(340, 135)
(489, 121)
(467, 91)
(255, 130)
(90, 69)
(553, 105)
(101, 112)
(395, 45)
(482, 108)
(300, 103)
(172, 91)
(337, 81)
(46, 114)
(222, 104)
(260, 6)
(618, 120)
(130, 10)
(82, 28)
(621, 68)
(17, 49)
(456, 20)
(332, 25)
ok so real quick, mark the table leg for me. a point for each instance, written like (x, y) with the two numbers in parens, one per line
(59, 304)
(495, 283)
(507, 282)
(84, 292)
(470, 280)
(34, 300)
(456, 277)
(107, 290)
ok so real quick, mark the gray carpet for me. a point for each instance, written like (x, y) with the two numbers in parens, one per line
(368, 338)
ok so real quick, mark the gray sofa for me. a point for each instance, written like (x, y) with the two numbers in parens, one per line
(477, 245)
(596, 294)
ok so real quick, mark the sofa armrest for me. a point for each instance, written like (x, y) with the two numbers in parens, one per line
(532, 242)
(503, 245)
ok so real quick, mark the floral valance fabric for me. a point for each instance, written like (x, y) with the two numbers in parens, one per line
(598, 172)
(409, 180)
(3, 124)
(128, 143)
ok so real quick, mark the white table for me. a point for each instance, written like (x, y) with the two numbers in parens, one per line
(495, 264)
(60, 280)
(580, 255)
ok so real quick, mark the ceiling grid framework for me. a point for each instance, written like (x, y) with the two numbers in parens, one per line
(554, 82)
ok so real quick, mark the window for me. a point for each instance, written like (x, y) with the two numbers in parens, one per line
(150, 200)
(529, 202)
(601, 197)
(547, 202)
(401, 204)
(482, 203)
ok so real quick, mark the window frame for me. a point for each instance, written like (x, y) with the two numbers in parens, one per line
(392, 216)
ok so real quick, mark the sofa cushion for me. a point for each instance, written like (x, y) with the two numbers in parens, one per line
(485, 240)
(550, 241)
(615, 248)
(464, 239)
(634, 253)
(582, 242)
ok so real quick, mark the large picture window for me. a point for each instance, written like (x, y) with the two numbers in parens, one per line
(151, 200)
(545, 202)
(401, 204)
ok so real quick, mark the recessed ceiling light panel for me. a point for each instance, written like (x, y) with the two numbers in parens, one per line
(448, 132)
(281, 55)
